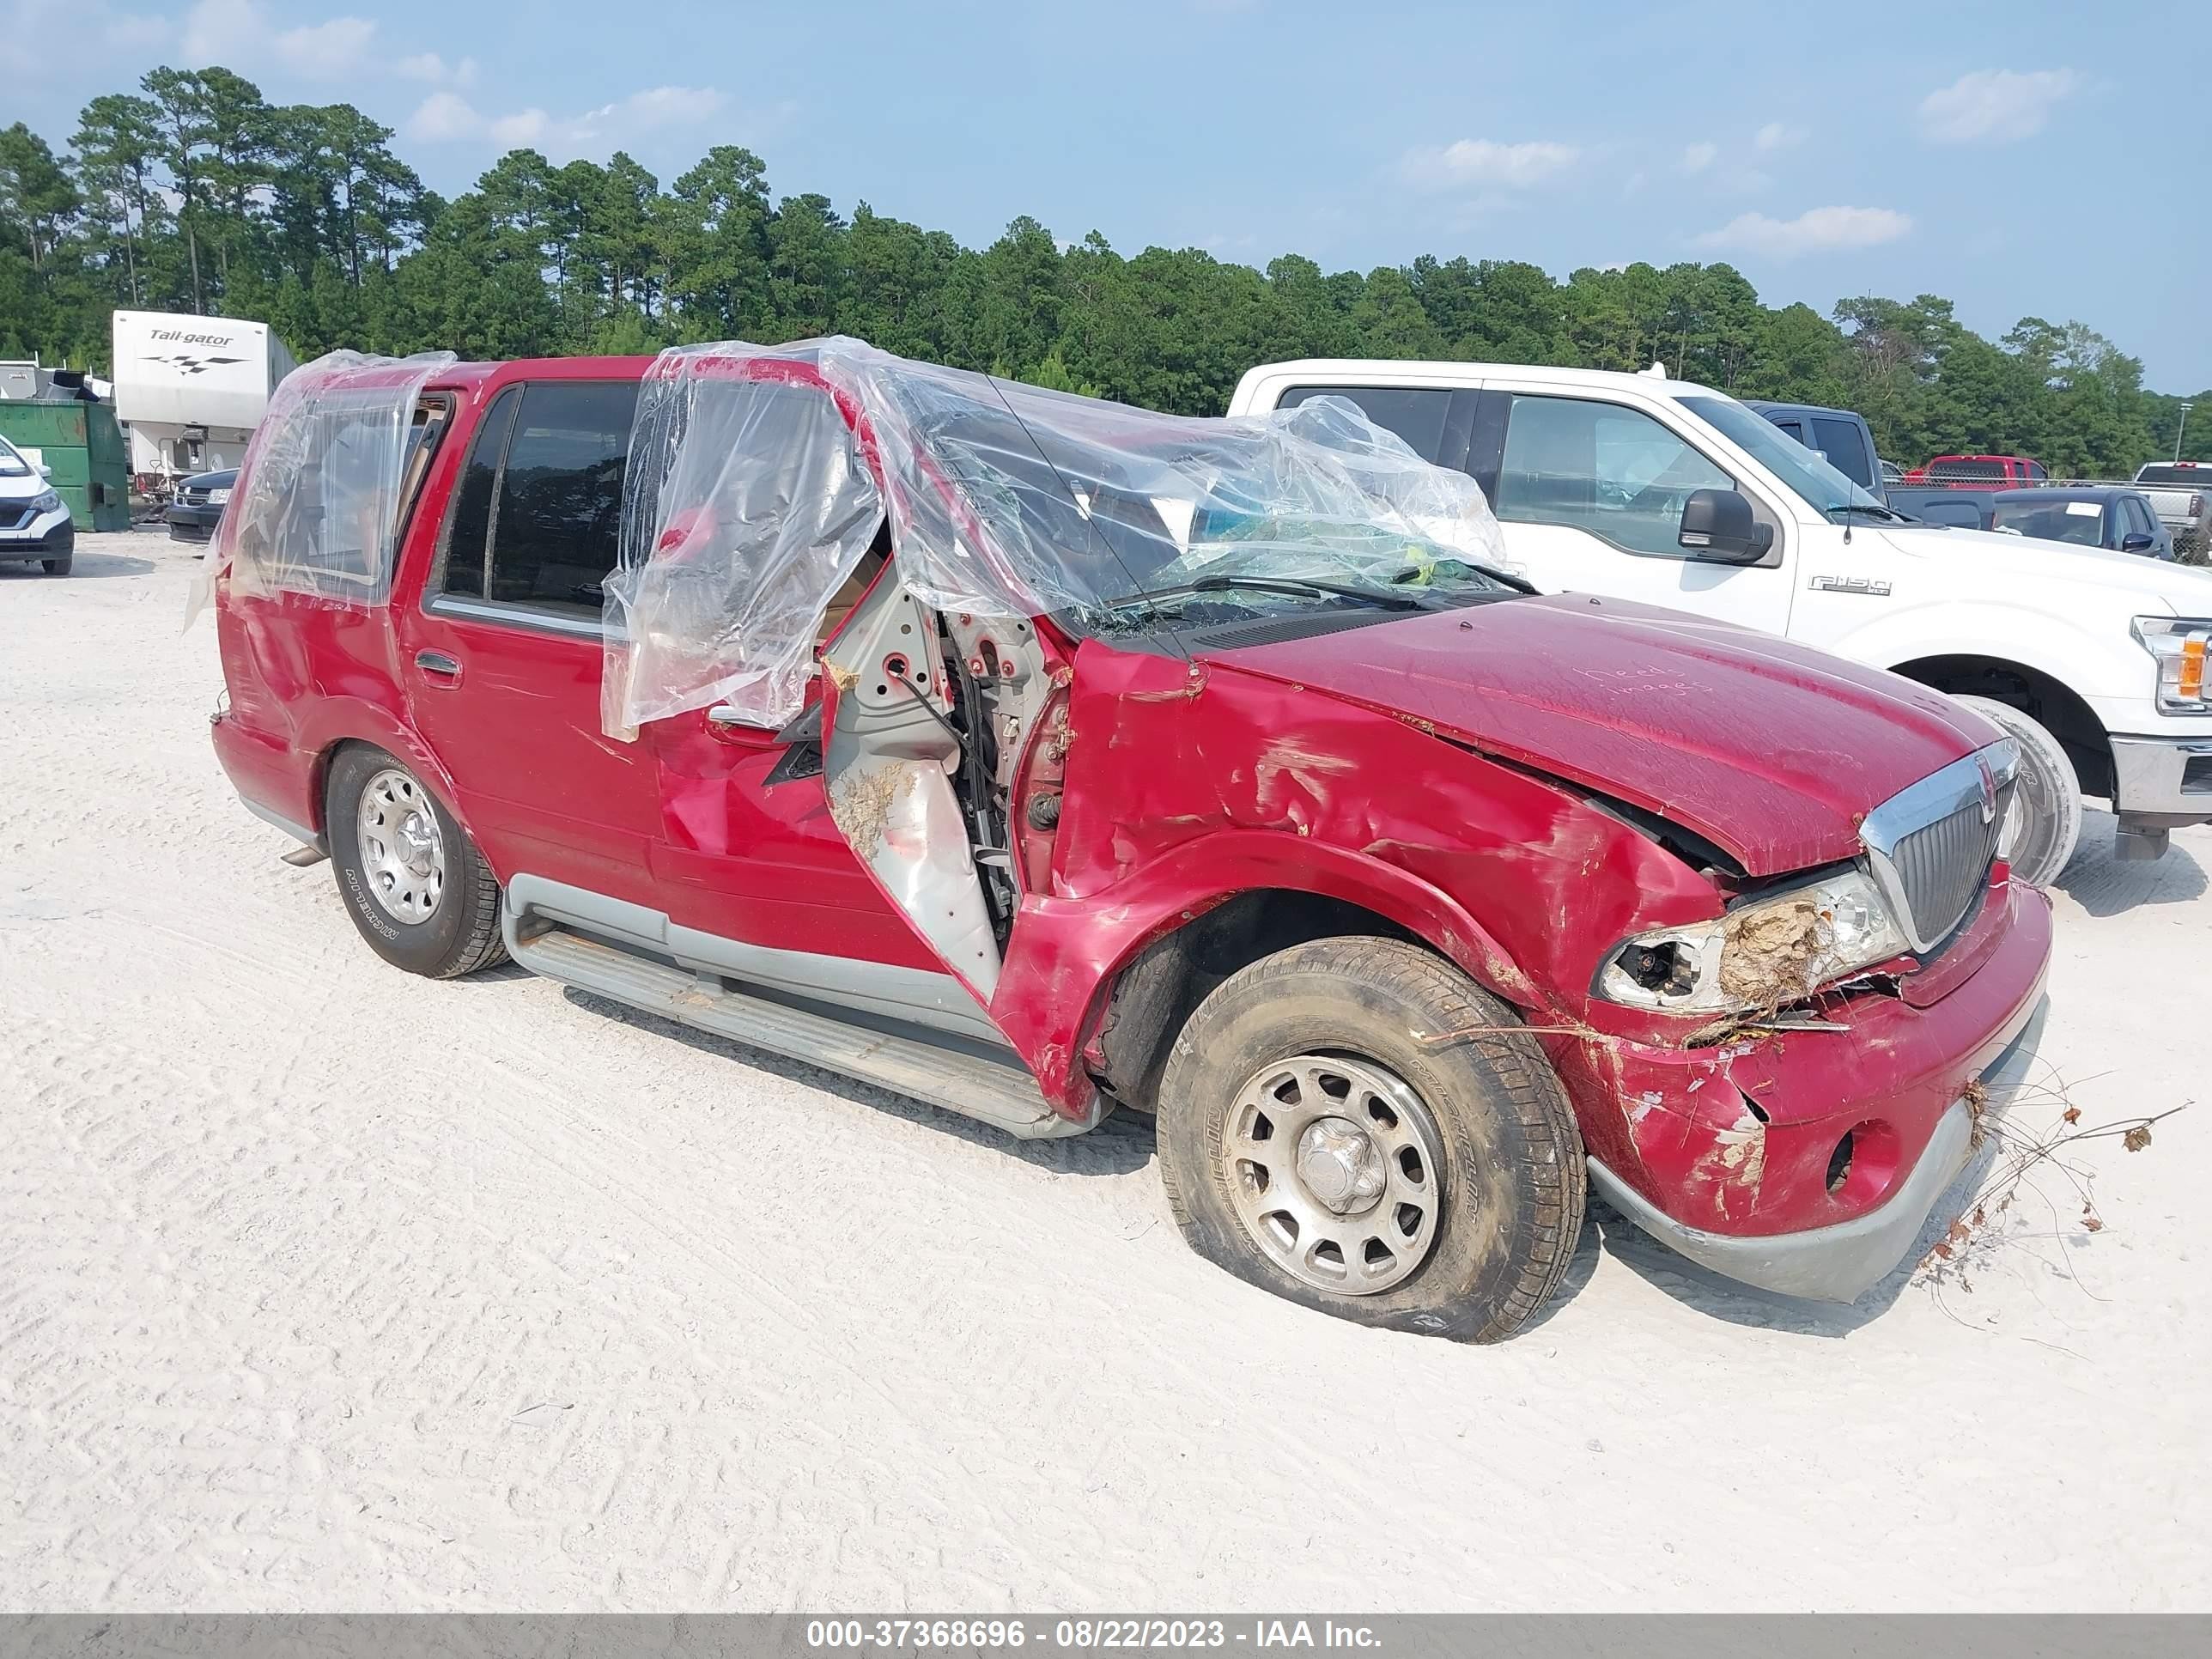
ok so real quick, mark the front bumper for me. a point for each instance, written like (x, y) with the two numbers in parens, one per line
(1806, 1162)
(1837, 1263)
(193, 524)
(2170, 778)
(50, 536)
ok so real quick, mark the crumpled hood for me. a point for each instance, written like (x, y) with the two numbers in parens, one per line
(1772, 750)
(2184, 589)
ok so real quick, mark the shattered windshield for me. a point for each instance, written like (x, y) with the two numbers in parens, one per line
(742, 514)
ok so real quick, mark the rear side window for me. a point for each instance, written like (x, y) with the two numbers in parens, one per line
(538, 506)
(1845, 448)
(1422, 416)
(560, 495)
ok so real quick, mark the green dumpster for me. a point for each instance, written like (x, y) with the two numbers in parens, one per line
(83, 447)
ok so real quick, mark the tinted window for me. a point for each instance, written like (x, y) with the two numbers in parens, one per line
(1417, 414)
(2138, 517)
(1793, 429)
(559, 499)
(2035, 470)
(1599, 467)
(2182, 474)
(1846, 450)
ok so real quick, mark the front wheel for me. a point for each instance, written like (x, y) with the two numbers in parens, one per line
(2045, 824)
(1323, 1135)
(59, 567)
(415, 884)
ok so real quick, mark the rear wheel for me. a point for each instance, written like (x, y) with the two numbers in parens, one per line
(2045, 824)
(1320, 1138)
(415, 884)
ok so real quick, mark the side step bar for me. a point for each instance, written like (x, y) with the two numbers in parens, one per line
(949, 1074)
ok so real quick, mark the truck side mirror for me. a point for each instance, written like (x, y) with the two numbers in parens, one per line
(46, 472)
(1717, 525)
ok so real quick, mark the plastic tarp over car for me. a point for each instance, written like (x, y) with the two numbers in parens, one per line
(758, 476)
(317, 499)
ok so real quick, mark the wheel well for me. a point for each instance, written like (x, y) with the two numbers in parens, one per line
(2049, 703)
(319, 777)
(1162, 984)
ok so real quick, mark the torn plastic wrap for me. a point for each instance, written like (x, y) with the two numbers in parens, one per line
(317, 499)
(758, 476)
(746, 504)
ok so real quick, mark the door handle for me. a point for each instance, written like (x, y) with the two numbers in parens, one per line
(438, 665)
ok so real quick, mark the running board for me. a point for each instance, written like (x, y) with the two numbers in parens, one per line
(949, 1074)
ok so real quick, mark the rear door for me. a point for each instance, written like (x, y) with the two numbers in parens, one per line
(1589, 494)
(501, 655)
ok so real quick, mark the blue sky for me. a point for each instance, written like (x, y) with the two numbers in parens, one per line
(2021, 159)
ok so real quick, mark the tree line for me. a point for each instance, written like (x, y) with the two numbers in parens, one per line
(194, 193)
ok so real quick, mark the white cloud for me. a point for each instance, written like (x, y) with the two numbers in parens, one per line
(446, 117)
(1815, 230)
(430, 66)
(1775, 136)
(1483, 161)
(1696, 158)
(1994, 107)
(327, 52)
(443, 116)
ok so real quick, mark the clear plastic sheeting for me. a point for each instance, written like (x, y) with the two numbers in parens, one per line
(745, 504)
(317, 499)
(758, 476)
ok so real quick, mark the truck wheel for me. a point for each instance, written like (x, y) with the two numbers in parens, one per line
(413, 882)
(1315, 1142)
(59, 567)
(2041, 830)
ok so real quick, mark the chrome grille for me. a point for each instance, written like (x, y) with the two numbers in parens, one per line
(190, 497)
(1941, 867)
(1929, 845)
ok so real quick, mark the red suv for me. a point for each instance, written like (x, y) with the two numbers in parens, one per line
(1034, 756)
(1979, 472)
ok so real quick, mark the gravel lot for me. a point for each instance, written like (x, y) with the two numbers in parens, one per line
(326, 1288)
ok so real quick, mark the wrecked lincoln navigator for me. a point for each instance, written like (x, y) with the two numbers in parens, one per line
(1033, 755)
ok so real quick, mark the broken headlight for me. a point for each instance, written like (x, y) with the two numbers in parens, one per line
(1762, 954)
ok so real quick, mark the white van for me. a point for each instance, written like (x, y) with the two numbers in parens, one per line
(1670, 493)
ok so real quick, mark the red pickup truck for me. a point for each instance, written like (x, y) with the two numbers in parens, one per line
(1034, 756)
(1979, 472)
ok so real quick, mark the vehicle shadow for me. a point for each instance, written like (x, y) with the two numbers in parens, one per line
(1120, 1146)
(83, 564)
(2095, 879)
(1740, 1304)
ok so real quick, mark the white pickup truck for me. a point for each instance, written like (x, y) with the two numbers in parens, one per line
(2180, 493)
(1675, 494)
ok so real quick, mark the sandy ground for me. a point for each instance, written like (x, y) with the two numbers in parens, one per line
(323, 1287)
